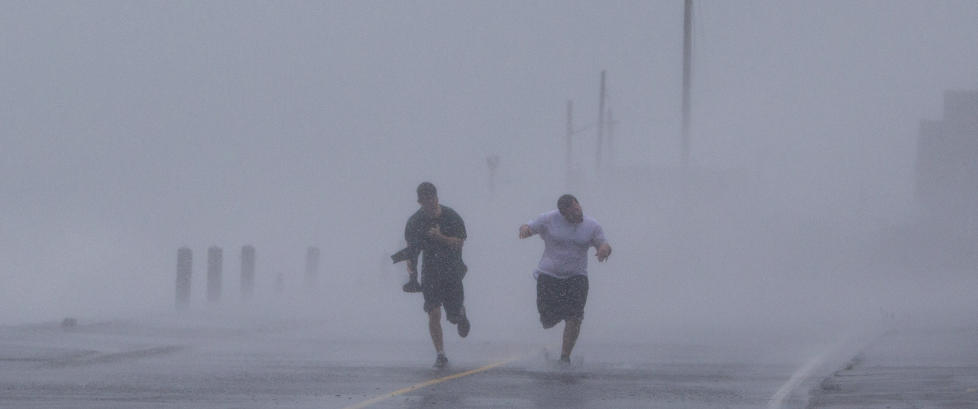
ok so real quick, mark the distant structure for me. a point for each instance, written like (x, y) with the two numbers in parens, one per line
(946, 186)
(185, 260)
(247, 271)
(215, 262)
(492, 161)
(312, 268)
(279, 284)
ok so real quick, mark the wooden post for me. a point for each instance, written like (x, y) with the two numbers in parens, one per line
(185, 260)
(247, 272)
(215, 261)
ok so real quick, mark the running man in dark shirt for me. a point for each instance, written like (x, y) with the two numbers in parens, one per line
(438, 232)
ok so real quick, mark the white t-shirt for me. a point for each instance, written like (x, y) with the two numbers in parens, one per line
(565, 244)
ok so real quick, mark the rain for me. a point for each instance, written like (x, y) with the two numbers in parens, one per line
(812, 215)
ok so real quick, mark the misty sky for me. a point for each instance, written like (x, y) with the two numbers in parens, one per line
(130, 129)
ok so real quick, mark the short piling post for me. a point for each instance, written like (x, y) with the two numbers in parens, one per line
(215, 261)
(185, 260)
(247, 272)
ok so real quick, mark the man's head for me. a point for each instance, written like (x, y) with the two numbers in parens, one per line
(428, 198)
(570, 208)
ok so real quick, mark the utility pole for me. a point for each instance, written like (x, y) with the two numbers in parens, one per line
(687, 67)
(611, 139)
(569, 159)
(597, 163)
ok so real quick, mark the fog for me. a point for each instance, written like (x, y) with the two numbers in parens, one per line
(131, 129)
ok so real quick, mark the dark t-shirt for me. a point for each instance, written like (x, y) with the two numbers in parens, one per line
(439, 258)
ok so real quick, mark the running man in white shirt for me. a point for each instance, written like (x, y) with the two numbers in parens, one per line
(562, 273)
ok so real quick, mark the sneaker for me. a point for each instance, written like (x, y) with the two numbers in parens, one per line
(441, 361)
(463, 327)
(564, 360)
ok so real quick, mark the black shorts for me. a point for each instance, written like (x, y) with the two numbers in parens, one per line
(560, 298)
(443, 289)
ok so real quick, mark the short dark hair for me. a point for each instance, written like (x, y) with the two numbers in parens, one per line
(427, 189)
(565, 201)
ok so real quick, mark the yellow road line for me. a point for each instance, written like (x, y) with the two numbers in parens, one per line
(431, 382)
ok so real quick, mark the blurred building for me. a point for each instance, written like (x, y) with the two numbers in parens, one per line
(947, 167)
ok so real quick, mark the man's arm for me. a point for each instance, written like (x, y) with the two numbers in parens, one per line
(413, 238)
(453, 242)
(454, 234)
(536, 226)
(604, 250)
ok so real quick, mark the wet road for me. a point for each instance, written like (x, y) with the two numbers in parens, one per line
(934, 367)
(162, 365)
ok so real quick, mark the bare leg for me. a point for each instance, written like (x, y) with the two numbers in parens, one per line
(434, 328)
(572, 328)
